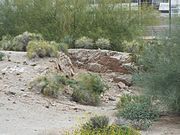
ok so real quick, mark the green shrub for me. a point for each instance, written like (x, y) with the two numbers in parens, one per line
(85, 97)
(6, 43)
(110, 130)
(160, 72)
(84, 42)
(63, 47)
(88, 89)
(50, 85)
(56, 19)
(97, 122)
(20, 42)
(103, 43)
(138, 109)
(91, 82)
(132, 47)
(41, 49)
(1, 56)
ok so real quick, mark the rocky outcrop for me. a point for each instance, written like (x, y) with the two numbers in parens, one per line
(64, 64)
(100, 61)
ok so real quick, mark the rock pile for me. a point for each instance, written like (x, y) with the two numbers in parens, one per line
(100, 61)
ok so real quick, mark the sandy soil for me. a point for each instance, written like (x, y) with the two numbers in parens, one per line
(23, 112)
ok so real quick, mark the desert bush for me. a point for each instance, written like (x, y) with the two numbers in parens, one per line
(50, 85)
(110, 130)
(103, 43)
(132, 47)
(41, 49)
(97, 122)
(88, 89)
(1, 56)
(63, 47)
(84, 42)
(6, 43)
(20, 42)
(138, 109)
(85, 97)
(55, 19)
(160, 71)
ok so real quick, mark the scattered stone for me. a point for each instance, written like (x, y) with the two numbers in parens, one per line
(22, 89)
(25, 63)
(14, 102)
(47, 106)
(10, 93)
(33, 64)
(112, 98)
(121, 85)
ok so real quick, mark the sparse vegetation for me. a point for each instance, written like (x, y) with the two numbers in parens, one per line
(41, 49)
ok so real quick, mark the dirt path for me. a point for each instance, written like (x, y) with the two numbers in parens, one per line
(23, 112)
(168, 125)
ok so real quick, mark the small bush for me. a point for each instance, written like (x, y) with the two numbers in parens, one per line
(88, 89)
(50, 85)
(103, 43)
(85, 97)
(41, 49)
(139, 109)
(20, 42)
(97, 122)
(6, 43)
(84, 42)
(110, 130)
(132, 47)
(1, 56)
(63, 47)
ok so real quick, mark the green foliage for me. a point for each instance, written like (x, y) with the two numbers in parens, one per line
(88, 89)
(84, 42)
(20, 42)
(138, 109)
(85, 97)
(50, 85)
(109, 130)
(41, 49)
(132, 47)
(103, 43)
(160, 73)
(1, 56)
(57, 19)
(97, 122)
(91, 82)
(6, 43)
(63, 47)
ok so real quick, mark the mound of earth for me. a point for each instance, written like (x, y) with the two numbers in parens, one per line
(26, 112)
